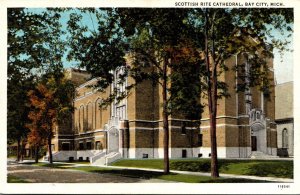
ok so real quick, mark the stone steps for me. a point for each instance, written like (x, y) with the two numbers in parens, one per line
(261, 155)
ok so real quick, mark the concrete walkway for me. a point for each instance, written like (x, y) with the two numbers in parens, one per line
(272, 179)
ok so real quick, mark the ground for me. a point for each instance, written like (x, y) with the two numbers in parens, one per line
(40, 174)
(85, 173)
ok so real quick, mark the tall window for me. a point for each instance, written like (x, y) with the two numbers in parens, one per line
(89, 112)
(88, 145)
(121, 112)
(120, 84)
(98, 114)
(98, 145)
(200, 138)
(183, 128)
(285, 138)
(81, 118)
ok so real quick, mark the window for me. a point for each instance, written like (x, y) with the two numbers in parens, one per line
(257, 115)
(98, 111)
(200, 139)
(81, 147)
(145, 155)
(121, 112)
(98, 145)
(200, 155)
(184, 154)
(285, 138)
(88, 145)
(183, 128)
(65, 146)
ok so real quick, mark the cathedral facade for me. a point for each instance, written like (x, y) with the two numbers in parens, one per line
(133, 127)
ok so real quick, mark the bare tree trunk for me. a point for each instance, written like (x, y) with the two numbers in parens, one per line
(22, 150)
(212, 101)
(18, 150)
(165, 120)
(50, 149)
(36, 155)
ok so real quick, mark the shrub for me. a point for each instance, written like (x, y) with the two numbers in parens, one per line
(195, 166)
(271, 169)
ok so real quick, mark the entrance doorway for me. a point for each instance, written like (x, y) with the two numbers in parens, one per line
(253, 143)
(113, 140)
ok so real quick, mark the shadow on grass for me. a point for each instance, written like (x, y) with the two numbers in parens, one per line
(141, 174)
(14, 179)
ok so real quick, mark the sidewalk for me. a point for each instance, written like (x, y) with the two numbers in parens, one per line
(272, 179)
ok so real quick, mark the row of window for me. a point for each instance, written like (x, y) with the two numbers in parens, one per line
(82, 146)
(183, 154)
(88, 146)
(88, 117)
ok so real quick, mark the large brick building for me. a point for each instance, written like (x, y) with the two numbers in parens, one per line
(133, 127)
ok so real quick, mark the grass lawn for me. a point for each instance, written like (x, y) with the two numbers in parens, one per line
(14, 179)
(263, 168)
(150, 174)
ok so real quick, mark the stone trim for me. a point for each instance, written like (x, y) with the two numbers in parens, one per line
(224, 116)
(89, 132)
(86, 83)
(222, 125)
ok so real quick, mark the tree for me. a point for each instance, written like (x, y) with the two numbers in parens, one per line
(51, 102)
(34, 40)
(236, 31)
(151, 43)
(35, 137)
(17, 110)
(153, 36)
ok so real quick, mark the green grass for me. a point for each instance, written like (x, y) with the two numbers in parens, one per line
(150, 174)
(263, 168)
(14, 179)
(54, 165)
(144, 163)
(159, 175)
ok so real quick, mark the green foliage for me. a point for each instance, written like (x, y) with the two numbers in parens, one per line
(272, 169)
(194, 166)
(35, 47)
(263, 168)
(150, 174)
(14, 179)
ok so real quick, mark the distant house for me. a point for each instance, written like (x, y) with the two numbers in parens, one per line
(284, 118)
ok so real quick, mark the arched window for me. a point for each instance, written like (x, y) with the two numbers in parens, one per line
(81, 119)
(89, 116)
(257, 115)
(98, 116)
(285, 138)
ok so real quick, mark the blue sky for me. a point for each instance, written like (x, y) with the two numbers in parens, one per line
(283, 65)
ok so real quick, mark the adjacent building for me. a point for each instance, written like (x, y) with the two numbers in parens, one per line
(285, 118)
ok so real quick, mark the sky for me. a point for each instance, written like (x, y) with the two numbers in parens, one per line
(283, 65)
